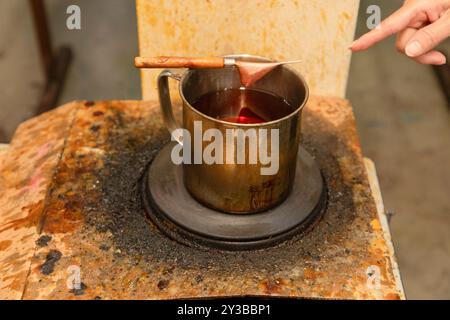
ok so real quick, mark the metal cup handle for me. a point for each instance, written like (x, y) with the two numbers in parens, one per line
(166, 105)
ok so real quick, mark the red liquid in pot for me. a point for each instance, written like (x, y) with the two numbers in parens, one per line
(247, 106)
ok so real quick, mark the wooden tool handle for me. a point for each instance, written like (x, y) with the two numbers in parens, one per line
(179, 62)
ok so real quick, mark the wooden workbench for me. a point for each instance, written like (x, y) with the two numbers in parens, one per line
(68, 202)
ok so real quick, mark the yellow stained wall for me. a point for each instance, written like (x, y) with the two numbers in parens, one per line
(317, 31)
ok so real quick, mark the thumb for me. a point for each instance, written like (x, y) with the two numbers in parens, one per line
(427, 38)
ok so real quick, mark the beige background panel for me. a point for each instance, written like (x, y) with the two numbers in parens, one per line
(317, 31)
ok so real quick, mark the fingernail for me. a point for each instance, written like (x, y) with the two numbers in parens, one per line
(441, 62)
(413, 49)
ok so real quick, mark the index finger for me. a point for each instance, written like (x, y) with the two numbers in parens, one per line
(398, 21)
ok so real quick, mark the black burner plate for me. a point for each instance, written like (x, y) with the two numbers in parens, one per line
(179, 216)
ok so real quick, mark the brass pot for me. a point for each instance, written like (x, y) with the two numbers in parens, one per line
(232, 187)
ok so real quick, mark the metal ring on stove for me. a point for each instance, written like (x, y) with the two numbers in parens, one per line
(172, 209)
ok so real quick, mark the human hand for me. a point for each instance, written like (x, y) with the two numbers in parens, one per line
(420, 24)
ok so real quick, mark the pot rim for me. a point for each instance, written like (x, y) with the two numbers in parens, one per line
(248, 125)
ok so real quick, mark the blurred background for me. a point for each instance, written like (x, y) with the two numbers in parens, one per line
(402, 115)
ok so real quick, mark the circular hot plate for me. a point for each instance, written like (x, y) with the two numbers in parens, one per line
(170, 206)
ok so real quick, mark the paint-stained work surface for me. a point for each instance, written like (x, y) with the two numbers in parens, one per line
(70, 200)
